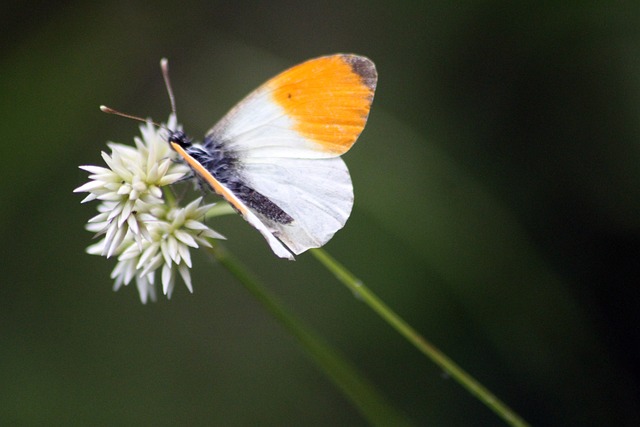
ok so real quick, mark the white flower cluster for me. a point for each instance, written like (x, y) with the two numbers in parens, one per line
(145, 231)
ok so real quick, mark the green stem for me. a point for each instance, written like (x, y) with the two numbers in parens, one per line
(450, 367)
(371, 404)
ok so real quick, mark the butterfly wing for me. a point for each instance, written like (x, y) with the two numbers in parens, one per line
(316, 193)
(285, 139)
(316, 109)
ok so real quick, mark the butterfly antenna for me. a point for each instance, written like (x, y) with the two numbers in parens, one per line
(108, 110)
(164, 65)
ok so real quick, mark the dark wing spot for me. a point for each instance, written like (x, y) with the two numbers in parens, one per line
(365, 68)
(262, 204)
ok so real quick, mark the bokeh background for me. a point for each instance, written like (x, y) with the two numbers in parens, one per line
(497, 210)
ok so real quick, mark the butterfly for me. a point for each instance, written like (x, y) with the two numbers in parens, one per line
(275, 156)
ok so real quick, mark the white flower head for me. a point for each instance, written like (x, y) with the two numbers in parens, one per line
(139, 226)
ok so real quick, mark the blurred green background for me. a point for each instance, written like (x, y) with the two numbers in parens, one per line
(497, 210)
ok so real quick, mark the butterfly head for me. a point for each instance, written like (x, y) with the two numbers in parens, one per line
(180, 138)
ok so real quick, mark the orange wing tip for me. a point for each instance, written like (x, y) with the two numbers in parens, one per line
(327, 98)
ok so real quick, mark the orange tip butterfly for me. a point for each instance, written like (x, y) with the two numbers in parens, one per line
(275, 157)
